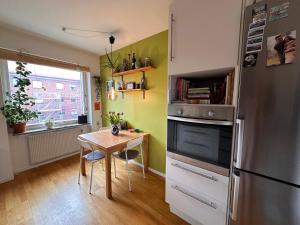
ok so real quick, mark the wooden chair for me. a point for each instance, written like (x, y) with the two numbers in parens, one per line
(93, 156)
(129, 153)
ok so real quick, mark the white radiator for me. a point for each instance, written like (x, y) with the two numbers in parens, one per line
(53, 144)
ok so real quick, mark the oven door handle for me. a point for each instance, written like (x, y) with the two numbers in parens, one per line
(195, 172)
(201, 121)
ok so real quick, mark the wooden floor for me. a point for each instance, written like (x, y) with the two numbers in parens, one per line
(50, 195)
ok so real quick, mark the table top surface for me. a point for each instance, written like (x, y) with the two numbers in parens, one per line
(104, 139)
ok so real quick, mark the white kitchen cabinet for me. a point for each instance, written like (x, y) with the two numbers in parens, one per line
(210, 183)
(202, 208)
(195, 193)
(203, 35)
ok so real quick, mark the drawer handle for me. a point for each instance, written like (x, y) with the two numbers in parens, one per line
(210, 204)
(192, 171)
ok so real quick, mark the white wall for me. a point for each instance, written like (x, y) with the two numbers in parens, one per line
(15, 39)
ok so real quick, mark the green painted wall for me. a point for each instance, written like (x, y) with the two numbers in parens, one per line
(147, 114)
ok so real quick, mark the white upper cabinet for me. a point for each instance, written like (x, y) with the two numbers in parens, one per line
(203, 35)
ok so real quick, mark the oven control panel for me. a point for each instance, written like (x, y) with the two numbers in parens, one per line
(211, 112)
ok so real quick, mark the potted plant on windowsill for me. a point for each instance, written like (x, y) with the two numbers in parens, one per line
(115, 120)
(16, 106)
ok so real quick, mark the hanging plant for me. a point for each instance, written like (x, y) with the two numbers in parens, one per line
(111, 63)
(16, 106)
(98, 83)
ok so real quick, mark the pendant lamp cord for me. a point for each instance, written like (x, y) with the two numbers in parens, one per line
(111, 60)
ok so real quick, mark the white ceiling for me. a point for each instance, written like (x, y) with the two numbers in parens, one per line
(133, 19)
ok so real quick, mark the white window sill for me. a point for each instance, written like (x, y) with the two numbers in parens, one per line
(46, 130)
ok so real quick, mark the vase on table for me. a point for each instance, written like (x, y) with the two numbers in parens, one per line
(115, 129)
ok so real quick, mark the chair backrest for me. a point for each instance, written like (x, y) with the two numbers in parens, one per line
(133, 143)
(104, 128)
(85, 144)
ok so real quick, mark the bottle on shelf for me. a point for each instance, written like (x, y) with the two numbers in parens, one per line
(133, 64)
(143, 83)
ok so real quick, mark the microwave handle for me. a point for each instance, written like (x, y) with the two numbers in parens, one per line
(239, 143)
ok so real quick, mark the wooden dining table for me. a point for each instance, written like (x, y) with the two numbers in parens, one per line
(108, 143)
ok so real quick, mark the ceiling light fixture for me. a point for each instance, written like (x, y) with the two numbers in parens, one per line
(84, 32)
(112, 94)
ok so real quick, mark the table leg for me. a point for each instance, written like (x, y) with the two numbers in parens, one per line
(108, 175)
(146, 152)
(82, 166)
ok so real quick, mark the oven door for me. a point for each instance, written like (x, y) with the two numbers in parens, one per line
(205, 140)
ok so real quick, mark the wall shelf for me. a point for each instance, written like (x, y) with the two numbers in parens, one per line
(132, 90)
(124, 73)
(128, 72)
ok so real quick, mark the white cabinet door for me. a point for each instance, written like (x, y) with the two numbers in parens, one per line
(203, 35)
(212, 184)
(198, 206)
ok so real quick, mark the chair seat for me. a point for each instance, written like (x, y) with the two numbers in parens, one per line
(131, 154)
(97, 155)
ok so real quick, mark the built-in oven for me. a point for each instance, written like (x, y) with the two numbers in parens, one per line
(195, 136)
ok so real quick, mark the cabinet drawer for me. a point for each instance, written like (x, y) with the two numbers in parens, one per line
(198, 206)
(204, 181)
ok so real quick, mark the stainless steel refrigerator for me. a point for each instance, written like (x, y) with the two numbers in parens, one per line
(266, 177)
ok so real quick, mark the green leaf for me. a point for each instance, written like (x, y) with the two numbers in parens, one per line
(15, 104)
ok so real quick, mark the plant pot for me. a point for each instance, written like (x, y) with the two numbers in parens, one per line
(49, 124)
(19, 128)
(115, 129)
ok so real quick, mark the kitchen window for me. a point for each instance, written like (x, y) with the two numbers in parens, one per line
(37, 84)
(51, 98)
(73, 87)
(59, 86)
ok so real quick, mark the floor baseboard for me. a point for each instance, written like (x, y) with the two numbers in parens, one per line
(6, 179)
(150, 169)
(29, 167)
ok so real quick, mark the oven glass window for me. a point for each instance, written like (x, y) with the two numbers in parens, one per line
(209, 143)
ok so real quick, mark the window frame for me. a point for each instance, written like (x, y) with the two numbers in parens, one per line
(83, 77)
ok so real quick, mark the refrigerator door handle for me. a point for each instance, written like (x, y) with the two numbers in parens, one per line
(234, 206)
(239, 144)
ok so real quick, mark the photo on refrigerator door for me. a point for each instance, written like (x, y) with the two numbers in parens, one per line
(281, 49)
(279, 12)
(250, 60)
(260, 23)
(257, 40)
(259, 13)
(254, 48)
(255, 32)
